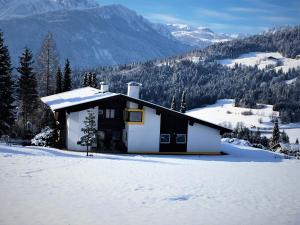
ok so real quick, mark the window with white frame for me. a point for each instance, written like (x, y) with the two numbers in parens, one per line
(180, 138)
(165, 138)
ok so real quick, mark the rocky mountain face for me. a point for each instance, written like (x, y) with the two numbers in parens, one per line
(88, 34)
(21, 8)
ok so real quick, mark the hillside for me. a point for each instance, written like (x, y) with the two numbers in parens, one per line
(264, 60)
(206, 80)
(90, 36)
(284, 40)
(50, 186)
(223, 112)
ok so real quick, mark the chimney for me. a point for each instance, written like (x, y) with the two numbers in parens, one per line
(104, 87)
(134, 89)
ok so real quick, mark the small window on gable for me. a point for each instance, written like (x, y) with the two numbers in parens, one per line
(165, 138)
(180, 138)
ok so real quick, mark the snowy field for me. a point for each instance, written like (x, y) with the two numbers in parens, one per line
(223, 112)
(47, 186)
(262, 60)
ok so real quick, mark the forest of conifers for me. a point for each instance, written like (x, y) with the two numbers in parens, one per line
(207, 80)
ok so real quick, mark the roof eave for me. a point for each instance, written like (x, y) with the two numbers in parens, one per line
(149, 104)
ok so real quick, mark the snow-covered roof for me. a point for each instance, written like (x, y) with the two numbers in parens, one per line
(86, 95)
(75, 97)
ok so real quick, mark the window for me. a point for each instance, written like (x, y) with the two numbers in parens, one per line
(180, 138)
(134, 116)
(110, 113)
(165, 138)
(107, 113)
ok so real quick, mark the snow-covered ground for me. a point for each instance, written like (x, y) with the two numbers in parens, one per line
(49, 186)
(223, 112)
(264, 59)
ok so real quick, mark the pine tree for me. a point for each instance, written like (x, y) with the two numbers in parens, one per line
(93, 80)
(89, 130)
(27, 88)
(58, 81)
(183, 102)
(173, 103)
(86, 80)
(6, 89)
(297, 142)
(89, 83)
(67, 77)
(275, 134)
(284, 137)
(47, 64)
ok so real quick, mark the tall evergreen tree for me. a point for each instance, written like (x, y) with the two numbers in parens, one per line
(27, 87)
(93, 80)
(284, 137)
(47, 64)
(67, 77)
(59, 86)
(297, 142)
(6, 89)
(86, 81)
(173, 103)
(275, 134)
(183, 102)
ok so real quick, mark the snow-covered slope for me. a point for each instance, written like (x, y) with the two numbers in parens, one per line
(197, 36)
(90, 37)
(18, 8)
(223, 112)
(264, 60)
(48, 186)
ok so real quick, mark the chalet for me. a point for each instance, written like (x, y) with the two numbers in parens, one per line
(125, 123)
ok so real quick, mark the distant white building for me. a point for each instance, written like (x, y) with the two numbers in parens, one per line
(128, 124)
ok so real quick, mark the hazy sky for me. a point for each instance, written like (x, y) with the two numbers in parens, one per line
(240, 16)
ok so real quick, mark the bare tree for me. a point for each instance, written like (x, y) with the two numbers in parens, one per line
(47, 65)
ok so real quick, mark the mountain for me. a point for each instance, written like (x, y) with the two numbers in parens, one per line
(198, 36)
(86, 34)
(21, 8)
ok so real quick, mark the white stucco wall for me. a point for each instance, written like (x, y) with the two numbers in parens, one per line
(203, 139)
(74, 125)
(144, 137)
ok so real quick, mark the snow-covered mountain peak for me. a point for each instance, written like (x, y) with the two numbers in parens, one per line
(17, 8)
(178, 26)
(196, 36)
(76, 3)
(89, 37)
(204, 29)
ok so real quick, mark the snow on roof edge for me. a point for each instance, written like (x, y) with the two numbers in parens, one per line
(74, 97)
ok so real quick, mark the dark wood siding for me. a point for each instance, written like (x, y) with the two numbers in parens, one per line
(173, 125)
(62, 129)
(111, 127)
(116, 123)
